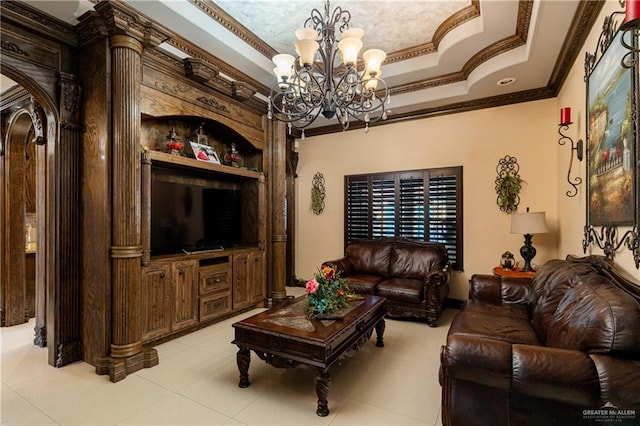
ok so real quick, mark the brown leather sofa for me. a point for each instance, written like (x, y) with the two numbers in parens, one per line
(563, 349)
(412, 275)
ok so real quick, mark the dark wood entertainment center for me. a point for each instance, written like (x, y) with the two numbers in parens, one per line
(184, 291)
(97, 101)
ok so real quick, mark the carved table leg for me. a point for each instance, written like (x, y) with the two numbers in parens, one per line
(323, 381)
(380, 326)
(243, 358)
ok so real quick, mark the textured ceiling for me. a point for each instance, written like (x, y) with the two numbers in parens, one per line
(379, 19)
(443, 56)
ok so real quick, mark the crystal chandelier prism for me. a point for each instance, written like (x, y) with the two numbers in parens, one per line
(332, 86)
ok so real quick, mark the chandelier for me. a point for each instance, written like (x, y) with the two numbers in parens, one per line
(332, 86)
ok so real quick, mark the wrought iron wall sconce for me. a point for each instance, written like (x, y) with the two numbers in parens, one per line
(630, 29)
(578, 147)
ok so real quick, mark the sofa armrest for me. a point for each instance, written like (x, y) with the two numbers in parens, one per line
(537, 371)
(342, 266)
(476, 359)
(559, 374)
(495, 289)
(619, 380)
(438, 278)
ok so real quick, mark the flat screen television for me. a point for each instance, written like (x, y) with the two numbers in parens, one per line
(190, 217)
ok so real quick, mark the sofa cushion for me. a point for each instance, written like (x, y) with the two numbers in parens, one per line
(576, 307)
(363, 283)
(511, 326)
(416, 261)
(372, 258)
(402, 290)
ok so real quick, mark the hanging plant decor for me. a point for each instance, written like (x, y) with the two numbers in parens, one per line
(317, 193)
(508, 184)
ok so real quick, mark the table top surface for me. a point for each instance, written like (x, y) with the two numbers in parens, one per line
(290, 319)
(516, 273)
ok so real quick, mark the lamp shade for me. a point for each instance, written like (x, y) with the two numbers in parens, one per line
(529, 223)
(284, 65)
(373, 59)
(350, 47)
(353, 32)
(306, 34)
(306, 49)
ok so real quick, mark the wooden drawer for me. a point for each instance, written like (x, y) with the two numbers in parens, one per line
(215, 305)
(214, 279)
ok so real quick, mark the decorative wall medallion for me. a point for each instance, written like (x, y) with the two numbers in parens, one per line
(317, 193)
(508, 184)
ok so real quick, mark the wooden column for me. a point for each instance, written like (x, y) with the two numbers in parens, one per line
(279, 211)
(127, 354)
(68, 333)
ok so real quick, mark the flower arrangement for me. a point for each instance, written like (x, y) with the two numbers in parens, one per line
(326, 292)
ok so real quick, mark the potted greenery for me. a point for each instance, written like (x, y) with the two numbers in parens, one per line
(508, 184)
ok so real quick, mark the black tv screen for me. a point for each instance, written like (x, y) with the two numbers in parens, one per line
(190, 217)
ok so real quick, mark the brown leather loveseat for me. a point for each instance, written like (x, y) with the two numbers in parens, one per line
(563, 349)
(412, 275)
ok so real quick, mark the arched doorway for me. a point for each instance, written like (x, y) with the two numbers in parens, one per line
(23, 282)
(23, 211)
(33, 118)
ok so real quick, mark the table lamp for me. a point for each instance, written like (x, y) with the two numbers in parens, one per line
(527, 224)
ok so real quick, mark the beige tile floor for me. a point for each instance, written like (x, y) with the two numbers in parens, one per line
(196, 383)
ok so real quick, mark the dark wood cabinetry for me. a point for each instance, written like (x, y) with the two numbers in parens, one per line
(169, 298)
(180, 292)
(156, 300)
(248, 271)
(185, 289)
(184, 294)
(215, 288)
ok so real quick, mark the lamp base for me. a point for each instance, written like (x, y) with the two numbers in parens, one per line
(528, 252)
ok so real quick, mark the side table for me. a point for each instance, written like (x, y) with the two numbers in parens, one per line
(515, 273)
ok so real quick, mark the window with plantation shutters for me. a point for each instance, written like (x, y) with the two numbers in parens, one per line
(424, 205)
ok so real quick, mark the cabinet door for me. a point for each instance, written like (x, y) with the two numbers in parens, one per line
(156, 301)
(185, 295)
(257, 280)
(241, 295)
(248, 279)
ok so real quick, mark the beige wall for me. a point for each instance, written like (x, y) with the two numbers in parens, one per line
(475, 140)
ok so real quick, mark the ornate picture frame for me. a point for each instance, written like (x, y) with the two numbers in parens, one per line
(612, 147)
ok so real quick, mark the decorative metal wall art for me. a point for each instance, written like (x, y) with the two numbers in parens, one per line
(317, 193)
(612, 144)
(508, 184)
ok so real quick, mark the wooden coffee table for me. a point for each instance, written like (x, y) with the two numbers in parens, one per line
(284, 337)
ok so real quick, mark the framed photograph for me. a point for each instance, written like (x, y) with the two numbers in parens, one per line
(204, 153)
(612, 102)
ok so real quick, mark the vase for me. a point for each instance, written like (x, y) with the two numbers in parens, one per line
(174, 152)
